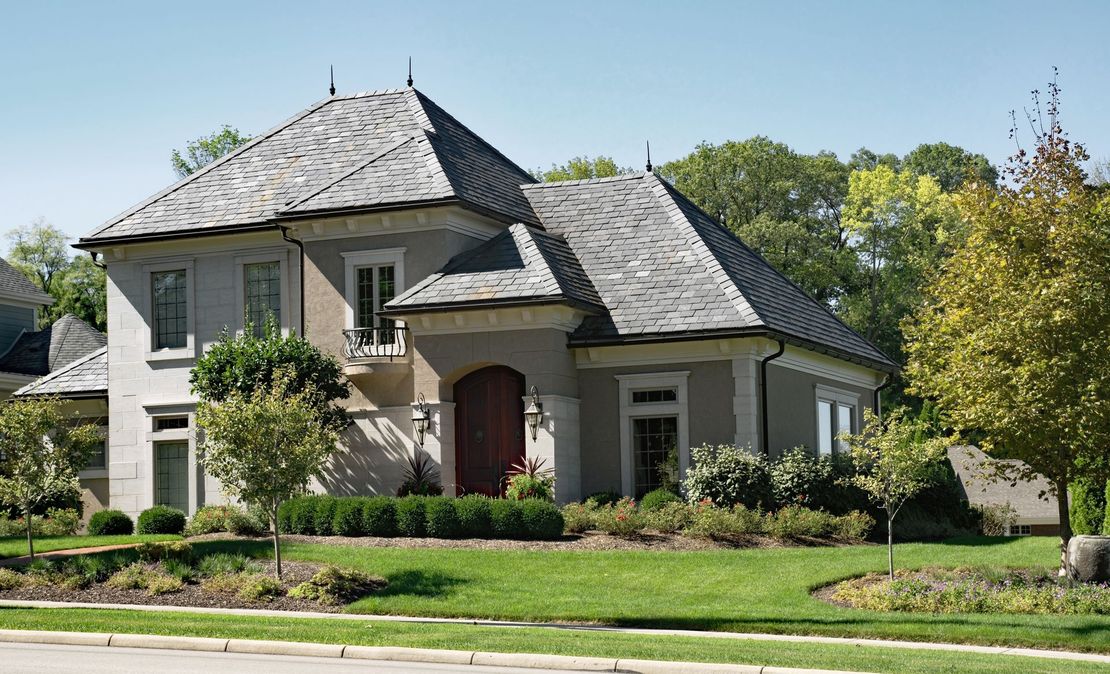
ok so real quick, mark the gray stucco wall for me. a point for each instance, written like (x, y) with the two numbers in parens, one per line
(792, 407)
(711, 416)
(13, 321)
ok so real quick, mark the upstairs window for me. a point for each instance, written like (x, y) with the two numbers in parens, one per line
(170, 309)
(376, 286)
(658, 395)
(263, 294)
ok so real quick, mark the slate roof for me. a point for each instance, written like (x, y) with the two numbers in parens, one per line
(663, 268)
(388, 148)
(1023, 496)
(86, 376)
(44, 351)
(13, 282)
(520, 265)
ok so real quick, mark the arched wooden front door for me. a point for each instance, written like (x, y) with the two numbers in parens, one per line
(489, 428)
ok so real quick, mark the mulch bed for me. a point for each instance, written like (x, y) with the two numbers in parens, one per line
(293, 573)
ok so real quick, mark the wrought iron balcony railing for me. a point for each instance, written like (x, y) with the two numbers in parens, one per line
(391, 342)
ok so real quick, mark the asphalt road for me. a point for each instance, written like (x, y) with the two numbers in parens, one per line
(40, 658)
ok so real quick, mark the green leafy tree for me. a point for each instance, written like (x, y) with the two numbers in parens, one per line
(1013, 340)
(264, 446)
(864, 159)
(82, 291)
(785, 205)
(949, 165)
(248, 362)
(207, 149)
(41, 453)
(581, 168)
(39, 250)
(897, 460)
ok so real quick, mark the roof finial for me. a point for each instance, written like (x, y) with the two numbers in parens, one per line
(410, 72)
(331, 71)
(648, 156)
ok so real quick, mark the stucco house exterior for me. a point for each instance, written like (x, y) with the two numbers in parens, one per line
(437, 270)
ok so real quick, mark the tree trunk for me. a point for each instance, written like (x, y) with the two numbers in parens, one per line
(890, 545)
(277, 542)
(1065, 524)
(30, 541)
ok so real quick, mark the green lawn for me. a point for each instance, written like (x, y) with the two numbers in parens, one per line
(16, 546)
(505, 639)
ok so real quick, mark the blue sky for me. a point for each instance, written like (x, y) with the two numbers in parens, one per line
(95, 98)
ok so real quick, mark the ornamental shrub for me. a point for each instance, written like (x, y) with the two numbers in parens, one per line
(302, 514)
(669, 518)
(246, 523)
(717, 523)
(507, 518)
(794, 521)
(208, 520)
(325, 513)
(410, 516)
(855, 526)
(157, 552)
(600, 498)
(379, 516)
(654, 500)
(332, 585)
(800, 478)
(440, 520)
(1088, 507)
(348, 519)
(578, 517)
(473, 512)
(728, 475)
(996, 518)
(161, 519)
(541, 519)
(622, 518)
(110, 523)
(60, 522)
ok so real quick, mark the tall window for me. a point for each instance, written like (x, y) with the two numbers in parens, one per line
(172, 473)
(833, 419)
(653, 438)
(263, 288)
(376, 286)
(170, 309)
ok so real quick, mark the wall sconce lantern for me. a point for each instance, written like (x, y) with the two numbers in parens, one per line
(534, 413)
(420, 419)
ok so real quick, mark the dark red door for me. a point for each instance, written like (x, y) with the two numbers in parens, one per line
(489, 428)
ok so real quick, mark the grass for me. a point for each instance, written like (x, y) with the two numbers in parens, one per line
(16, 546)
(532, 640)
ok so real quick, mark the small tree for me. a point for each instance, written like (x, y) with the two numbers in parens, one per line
(265, 446)
(40, 455)
(896, 461)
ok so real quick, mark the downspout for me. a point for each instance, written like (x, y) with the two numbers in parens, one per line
(93, 254)
(300, 245)
(886, 384)
(763, 395)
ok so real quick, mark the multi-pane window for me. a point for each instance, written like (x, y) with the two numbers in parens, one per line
(1021, 530)
(833, 419)
(659, 395)
(170, 309)
(98, 458)
(653, 438)
(376, 286)
(171, 423)
(263, 288)
(172, 474)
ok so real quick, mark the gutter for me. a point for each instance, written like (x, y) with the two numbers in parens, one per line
(765, 441)
(91, 244)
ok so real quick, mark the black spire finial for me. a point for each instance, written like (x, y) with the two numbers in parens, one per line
(331, 71)
(410, 72)
(648, 156)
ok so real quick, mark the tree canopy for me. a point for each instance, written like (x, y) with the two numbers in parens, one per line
(207, 149)
(949, 165)
(581, 168)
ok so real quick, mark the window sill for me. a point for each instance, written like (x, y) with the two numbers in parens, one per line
(93, 474)
(170, 354)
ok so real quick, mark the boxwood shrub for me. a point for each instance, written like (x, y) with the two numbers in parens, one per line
(110, 523)
(542, 519)
(161, 519)
(653, 500)
(348, 519)
(507, 519)
(325, 513)
(379, 516)
(440, 520)
(410, 516)
(473, 512)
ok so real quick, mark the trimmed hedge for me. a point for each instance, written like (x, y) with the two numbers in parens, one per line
(421, 516)
(653, 500)
(161, 519)
(110, 523)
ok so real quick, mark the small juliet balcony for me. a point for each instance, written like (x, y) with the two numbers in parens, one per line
(376, 351)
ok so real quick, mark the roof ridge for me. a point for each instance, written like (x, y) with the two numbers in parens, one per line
(586, 181)
(534, 254)
(369, 93)
(394, 146)
(563, 283)
(50, 376)
(705, 254)
(242, 149)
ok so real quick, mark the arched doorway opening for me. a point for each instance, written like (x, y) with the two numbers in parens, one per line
(489, 428)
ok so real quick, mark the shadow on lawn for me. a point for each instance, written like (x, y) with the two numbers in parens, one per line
(980, 541)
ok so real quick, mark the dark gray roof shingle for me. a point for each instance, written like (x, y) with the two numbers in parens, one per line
(520, 265)
(85, 376)
(44, 351)
(390, 147)
(981, 488)
(13, 282)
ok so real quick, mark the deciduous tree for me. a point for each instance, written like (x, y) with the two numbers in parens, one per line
(581, 168)
(951, 166)
(207, 149)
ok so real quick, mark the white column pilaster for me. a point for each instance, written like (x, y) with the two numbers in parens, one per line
(558, 443)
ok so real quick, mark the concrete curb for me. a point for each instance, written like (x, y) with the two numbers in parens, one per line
(648, 632)
(424, 655)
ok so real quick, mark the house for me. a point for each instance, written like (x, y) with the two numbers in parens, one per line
(1033, 502)
(453, 287)
(20, 301)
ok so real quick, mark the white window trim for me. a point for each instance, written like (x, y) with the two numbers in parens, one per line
(156, 410)
(627, 383)
(835, 396)
(97, 473)
(353, 260)
(281, 256)
(189, 350)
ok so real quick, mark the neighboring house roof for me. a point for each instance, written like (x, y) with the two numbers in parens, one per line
(44, 351)
(521, 265)
(1024, 496)
(374, 150)
(665, 269)
(86, 376)
(13, 282)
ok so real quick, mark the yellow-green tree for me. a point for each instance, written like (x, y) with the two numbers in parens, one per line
(1013, 340)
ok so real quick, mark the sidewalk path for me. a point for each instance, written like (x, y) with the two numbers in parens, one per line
(59, 554)
(882, 643)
